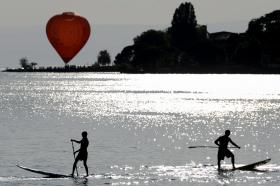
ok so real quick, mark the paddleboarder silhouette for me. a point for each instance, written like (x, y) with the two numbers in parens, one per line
(83, 154)
(223, 150)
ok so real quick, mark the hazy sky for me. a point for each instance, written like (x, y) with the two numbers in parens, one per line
(22, 23)
(37, 12)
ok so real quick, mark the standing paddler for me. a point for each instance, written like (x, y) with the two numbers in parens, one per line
(223, 151)
(83, 154)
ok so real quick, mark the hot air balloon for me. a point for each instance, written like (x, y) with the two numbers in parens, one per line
(68, 33)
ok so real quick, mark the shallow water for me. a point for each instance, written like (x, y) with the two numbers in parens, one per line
(140, 127)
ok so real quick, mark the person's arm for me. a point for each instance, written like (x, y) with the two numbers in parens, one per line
(234, 144)
(76, 141)
(217, 142)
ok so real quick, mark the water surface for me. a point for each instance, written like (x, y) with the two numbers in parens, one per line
(140, 127)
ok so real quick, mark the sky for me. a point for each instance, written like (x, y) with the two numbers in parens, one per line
(114, 23)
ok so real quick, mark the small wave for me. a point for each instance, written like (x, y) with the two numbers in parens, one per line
(270, 168)
(13, 179)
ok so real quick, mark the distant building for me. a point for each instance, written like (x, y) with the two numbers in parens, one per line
(202, 30)
(221, 36)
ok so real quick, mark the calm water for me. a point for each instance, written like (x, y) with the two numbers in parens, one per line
(140, 127)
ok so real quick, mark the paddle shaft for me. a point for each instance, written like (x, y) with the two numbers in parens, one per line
(74, 158)
(192, 147)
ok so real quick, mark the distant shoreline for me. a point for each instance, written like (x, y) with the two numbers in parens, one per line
(234, 69)
(66, 69)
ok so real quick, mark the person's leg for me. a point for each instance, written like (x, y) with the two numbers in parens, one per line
(74, 166)
(232, 161)
(219, 158)
(219, 163)
(86, 167)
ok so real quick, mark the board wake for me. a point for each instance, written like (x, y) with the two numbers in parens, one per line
(47, 174)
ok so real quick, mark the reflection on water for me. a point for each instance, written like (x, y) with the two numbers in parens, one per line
(80, 181)
(140, 126)
(189, 173)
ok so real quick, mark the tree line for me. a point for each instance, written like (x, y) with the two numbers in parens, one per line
(103, 60)
(187, 46)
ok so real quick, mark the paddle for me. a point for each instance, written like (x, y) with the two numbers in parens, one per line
(74, 157)
(192, 147)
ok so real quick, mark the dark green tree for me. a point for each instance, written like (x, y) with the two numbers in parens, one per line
(152, 38)
(103, 58)
(270, 23)
(255, 27)
(151, 49)
(24, 63)
(148, 53)
(183, 26)
(266, 30)
(125, 57)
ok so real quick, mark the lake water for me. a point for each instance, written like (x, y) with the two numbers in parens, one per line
(139, 127)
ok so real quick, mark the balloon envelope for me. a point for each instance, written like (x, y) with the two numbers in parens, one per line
(68, 33)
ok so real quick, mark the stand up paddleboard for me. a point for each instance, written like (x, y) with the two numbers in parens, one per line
(47, 174)
(250, 167)
(253, 165)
